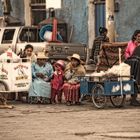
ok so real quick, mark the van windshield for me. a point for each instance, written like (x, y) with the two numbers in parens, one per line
(8, 36)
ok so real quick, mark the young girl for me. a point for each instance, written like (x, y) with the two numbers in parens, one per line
(57, 81)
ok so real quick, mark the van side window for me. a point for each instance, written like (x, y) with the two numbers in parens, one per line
(29, 35)
(24, 35)
(8, 36)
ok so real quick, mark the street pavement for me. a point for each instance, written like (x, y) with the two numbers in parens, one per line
(61, 122)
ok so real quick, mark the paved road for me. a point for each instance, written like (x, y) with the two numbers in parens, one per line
(60, 122)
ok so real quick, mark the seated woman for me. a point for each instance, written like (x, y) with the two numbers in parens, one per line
(28, 53)
(42, 71)
(71, 86)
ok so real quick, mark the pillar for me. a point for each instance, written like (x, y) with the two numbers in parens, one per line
(110, 23)
(27, 13)
(91, 26)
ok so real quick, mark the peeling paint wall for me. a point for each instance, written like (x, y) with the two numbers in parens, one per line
(0, 8)
(17, 9)
(127, 19)
(74, 13)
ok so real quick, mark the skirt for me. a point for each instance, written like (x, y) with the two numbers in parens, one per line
(71, 92)
(39, 91)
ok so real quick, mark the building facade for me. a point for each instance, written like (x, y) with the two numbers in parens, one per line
(75, 14)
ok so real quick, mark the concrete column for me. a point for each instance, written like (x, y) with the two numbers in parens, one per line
(91, 25)
(27, 13)
(2, 22)
(110, 23)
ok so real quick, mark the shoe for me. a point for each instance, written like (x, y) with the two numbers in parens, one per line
(68, 103)
(59, 102)
(135, 103)
(53, 102)
(6, 106)
(91, 62)
(77, 103)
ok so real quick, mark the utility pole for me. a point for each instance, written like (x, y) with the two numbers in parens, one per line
(110, 23)
(27, 15)
(91, 26)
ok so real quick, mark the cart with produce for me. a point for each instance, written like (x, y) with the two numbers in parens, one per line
(101, 88)
(111, 78)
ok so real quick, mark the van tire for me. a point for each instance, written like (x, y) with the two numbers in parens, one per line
(3, 86)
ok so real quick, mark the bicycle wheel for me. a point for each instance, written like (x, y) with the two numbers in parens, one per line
(117, 100)
(98, 97)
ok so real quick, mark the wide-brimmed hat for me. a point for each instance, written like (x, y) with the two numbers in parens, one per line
(75, 56)
(41, 55)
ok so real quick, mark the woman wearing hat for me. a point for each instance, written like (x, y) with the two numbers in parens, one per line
(42, 71)
(71, 86)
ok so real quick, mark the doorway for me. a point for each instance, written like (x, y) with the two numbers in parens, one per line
(99, 15)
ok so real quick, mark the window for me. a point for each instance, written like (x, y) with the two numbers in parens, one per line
(38, 8)
(8, 36)
(29, 35)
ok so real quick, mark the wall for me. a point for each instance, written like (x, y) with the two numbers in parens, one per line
(0, 8)
(75, 14)
(127, 19)
(17, 9)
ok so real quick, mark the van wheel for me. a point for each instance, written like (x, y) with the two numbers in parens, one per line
(3, 87)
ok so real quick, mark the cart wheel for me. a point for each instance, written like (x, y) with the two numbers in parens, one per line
(98, 97)
(118, 100)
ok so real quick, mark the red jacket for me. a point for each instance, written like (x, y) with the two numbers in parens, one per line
(57, 80)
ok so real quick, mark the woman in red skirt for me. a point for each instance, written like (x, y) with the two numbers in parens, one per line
(71, 87)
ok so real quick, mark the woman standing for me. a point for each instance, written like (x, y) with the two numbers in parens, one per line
(132, 55)
(132, 44)
(42, 71)
(71, 86)
(97, 44)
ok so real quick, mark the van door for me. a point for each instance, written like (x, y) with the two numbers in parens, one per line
(8, 39)
(30, 35)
